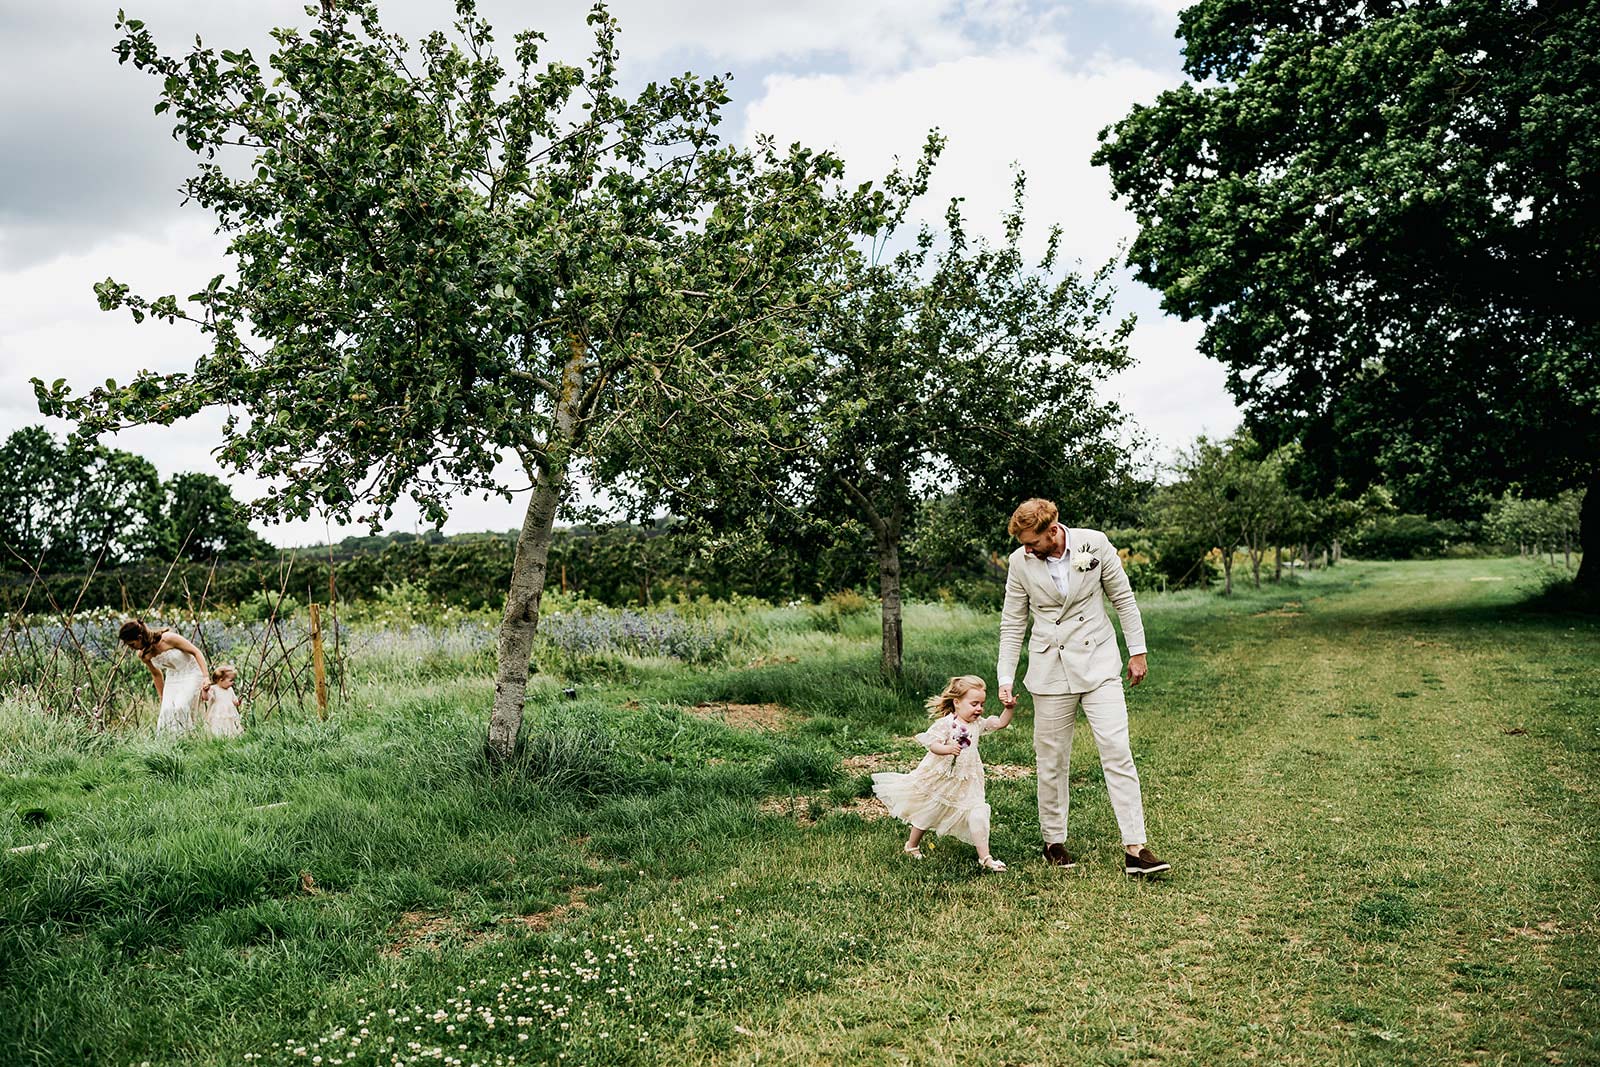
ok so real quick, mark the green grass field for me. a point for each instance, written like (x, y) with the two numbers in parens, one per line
(1380, 789)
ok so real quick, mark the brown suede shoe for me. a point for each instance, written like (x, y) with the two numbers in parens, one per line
(1056, 855)
(1146, 862)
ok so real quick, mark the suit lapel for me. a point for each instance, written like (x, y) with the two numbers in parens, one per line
(1073, 573)
(1045, 585)
(1062, 602)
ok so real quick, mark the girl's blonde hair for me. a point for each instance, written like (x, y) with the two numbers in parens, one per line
(223, 668)
(956, 688)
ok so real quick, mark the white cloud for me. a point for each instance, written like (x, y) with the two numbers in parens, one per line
(865, 34)
(1031, 107)
(1174, 393)
(1161, 13)
(1036, 107)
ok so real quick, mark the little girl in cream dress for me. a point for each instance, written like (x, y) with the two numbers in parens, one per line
(944, 793)
(222, 712)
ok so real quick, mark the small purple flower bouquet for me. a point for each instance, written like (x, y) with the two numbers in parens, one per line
(961, 739)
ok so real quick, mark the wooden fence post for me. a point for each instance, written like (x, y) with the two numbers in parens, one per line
(318, 667)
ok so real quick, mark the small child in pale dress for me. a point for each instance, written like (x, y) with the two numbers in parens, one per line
(222, 711)
(944, 793)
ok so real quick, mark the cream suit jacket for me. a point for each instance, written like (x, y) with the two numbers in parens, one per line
(1073, 648)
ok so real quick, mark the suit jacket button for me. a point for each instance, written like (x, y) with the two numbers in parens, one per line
(1080, 618)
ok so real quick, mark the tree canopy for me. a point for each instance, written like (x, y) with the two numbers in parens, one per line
(946, 383)
(72, 506)
(442, 261)
(201, 521)
(1388, 216)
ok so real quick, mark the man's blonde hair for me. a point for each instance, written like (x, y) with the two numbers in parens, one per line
(1032, 516)
(944, 703)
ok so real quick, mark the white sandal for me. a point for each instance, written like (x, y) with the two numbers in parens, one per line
(914, 851)
(989, 863)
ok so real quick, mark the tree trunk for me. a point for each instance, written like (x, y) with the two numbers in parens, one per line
(521, 619)
(528, 565)
(889, 592)
(1277, 565)
(1588, 577)
(1227, 572)
(885, 528)
(1338, 552)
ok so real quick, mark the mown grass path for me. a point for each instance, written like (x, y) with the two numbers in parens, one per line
(1382, 805)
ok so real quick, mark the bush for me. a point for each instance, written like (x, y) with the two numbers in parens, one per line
(987, 594)
(831, 615)
(1184, 560)
(262, 606)
(1402, 537)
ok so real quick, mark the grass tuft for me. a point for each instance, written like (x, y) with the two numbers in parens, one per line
(801, 768)
(572, 758)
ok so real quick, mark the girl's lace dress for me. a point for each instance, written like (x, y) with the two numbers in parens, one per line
(943, 793)
(222, 715)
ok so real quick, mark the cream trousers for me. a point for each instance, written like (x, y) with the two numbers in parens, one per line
(1054, 715)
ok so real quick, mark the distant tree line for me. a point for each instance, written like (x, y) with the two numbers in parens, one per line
(71, 507)
(186, 541)
(1238, 496)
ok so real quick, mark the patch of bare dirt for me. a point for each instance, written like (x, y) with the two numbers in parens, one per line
(800, 808)
(430, 928)
(543, 920)
(875, 762)
(433, 929)
(1545, 931)
(747, 716)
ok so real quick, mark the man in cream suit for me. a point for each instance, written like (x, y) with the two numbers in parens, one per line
(1062, 577)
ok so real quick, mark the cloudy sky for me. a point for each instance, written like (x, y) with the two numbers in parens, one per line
(88, 174)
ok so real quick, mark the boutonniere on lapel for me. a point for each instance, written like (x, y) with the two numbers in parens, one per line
(1084, 560)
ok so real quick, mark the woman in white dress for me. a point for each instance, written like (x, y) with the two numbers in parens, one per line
(179, 670)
